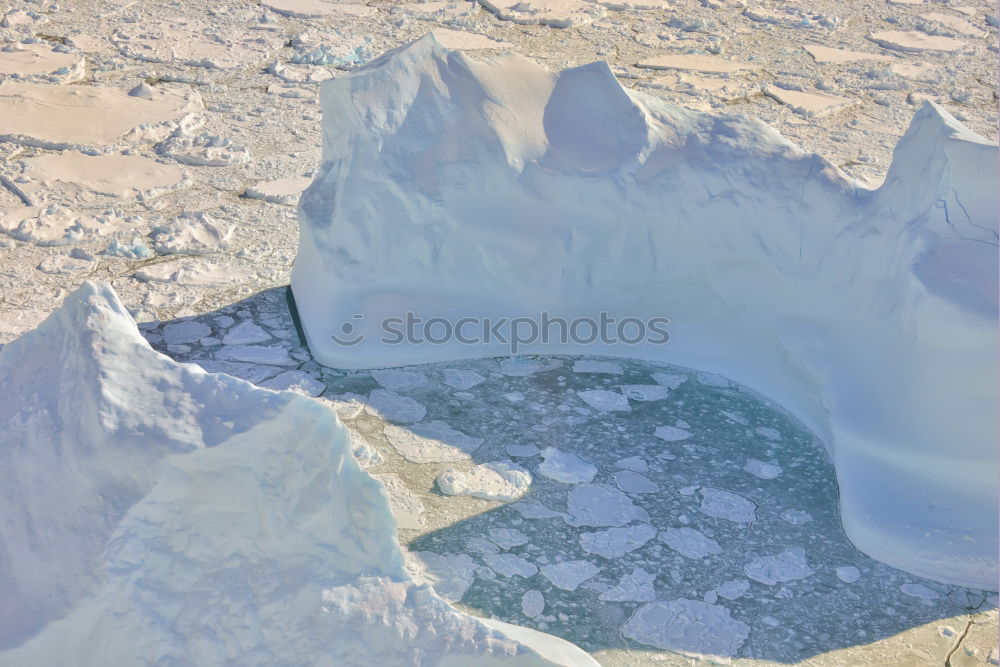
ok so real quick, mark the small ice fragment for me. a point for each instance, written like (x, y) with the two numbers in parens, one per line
(565, 467)
(634, 587)
(690, 543)
(671, 380)
(393, 407)
(633, 463)
(796, 517)
(788, 565)
(733, 589)
(462, 379)
(919, 591)
(633, 482)
(762, 469)
(569, 574)
(510, 565)
(397, 380)
(645, 392)
(616, 542)
(671, 433)
(604, 400)
(532, 603)
(602, 505)
(724, 504)
(507, 538)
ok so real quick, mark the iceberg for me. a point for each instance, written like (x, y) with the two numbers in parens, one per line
(156, 513)
(453, 188)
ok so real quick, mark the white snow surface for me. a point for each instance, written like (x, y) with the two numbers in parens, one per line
(173, 501)
(869, 314)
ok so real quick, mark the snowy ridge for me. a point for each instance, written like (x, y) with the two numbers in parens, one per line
(506, 190)
(155, 513)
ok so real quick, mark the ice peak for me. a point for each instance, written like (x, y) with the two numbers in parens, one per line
(591, 121)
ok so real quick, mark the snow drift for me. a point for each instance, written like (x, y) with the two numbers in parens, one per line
(154, 513)
(452, 187)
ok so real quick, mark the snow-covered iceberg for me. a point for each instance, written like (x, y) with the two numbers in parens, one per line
(153, 513)
(453, 188)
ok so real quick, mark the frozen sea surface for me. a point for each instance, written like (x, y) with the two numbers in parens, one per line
(621, 527)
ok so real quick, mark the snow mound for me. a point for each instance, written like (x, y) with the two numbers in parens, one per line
(178, 503)
(506, 190)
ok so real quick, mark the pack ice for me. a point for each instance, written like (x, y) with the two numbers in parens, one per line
(155, 513)
(453, 187)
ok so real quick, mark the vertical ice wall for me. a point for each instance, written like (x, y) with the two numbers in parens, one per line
(454, 188)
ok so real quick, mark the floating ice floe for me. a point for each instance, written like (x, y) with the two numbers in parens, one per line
(462, 379)
(604, 400)
(824, 296)
(616, 542)
(507, 538)
(132, 474)
(733, 589)
(510, 565)
(565, 467)
(393, 407)
(438, 9)
(280, 191)
(554, 13)
(317, 9)
(637, 586)
(687, 626)
(55, 225)
(671, 433)
(689, 542)
(74, 175)
(633, 482)
(42, 61)
(189, 271)
(568, 575)
(191, 233)
(808, 103)
(203, 150)
(63, 117)
(727, 505)
(645, 392)
(532, 603)
(826, 54)
(762, 469)
(498, 480)
(633, 463)
(396, 380)
(954, 24)
(601, 505)
(695, 63)
(788, 565)
(913, 41)
(190, 42)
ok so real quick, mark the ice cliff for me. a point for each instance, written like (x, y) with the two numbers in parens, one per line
(453, 187)
(153, 513)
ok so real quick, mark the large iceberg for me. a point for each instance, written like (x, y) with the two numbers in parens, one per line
(459, 188)
(154, 513)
